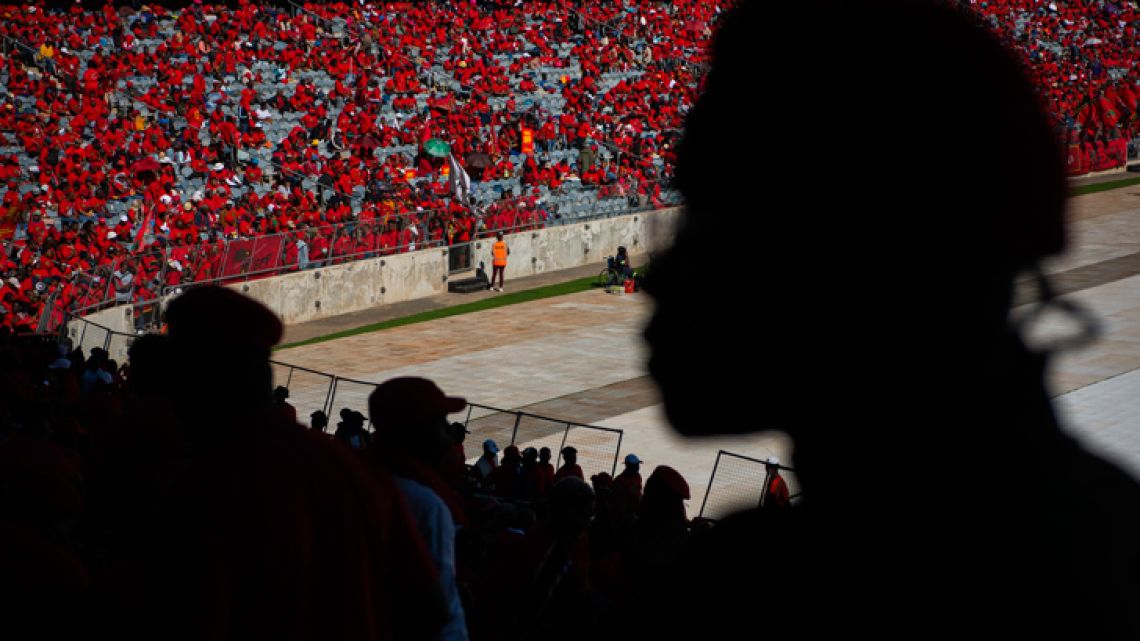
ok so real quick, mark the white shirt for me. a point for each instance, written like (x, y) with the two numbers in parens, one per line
(433, 518)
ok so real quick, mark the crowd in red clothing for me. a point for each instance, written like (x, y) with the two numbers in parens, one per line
(119, 106)
(1084, 56)
(149, 139)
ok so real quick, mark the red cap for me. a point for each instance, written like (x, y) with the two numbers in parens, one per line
(671, 479)
(410, 399)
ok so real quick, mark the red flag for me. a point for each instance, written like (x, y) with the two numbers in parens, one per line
(1108, 110)
(140, 238)
(1086, 115)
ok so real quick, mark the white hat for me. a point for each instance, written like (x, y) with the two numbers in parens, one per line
(112, 235)
(124, 218)
(772, 460)
(40, 287)
(218, 166)
(165, 198)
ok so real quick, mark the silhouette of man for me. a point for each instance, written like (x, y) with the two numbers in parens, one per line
(897, 315)
(570, 467)
(272, 531)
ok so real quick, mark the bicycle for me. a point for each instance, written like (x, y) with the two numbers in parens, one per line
(610, 276)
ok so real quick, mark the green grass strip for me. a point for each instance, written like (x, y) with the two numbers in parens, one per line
(513, 298)
(1097, 187)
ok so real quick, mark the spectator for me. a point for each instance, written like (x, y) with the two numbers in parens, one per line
(489, 460)
(546, 468)
(281, 400)
(351, 430)
(776, 495)
(952, 361)
(318, 421)
(242, 544)
(627, 485)
(570, 465)
(506, 479)
(413, 439)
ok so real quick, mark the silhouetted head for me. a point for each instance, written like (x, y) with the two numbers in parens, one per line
(149, 356)
(544, 454)
(665, 494)
(219, 347)
(571, 503)
(569, 455)
(411, 413)
(318, 420)
(882, 286)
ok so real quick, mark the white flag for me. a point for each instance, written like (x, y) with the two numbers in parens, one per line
(460, 181)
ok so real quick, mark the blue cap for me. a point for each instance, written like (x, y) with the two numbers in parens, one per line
(631, 459)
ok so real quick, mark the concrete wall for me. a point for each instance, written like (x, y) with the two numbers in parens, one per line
(569, 246)
(351, 287)
(360, 285)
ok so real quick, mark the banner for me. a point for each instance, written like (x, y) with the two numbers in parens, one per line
(238, 254)
(460, 181)
(266, 253)
(528, 141)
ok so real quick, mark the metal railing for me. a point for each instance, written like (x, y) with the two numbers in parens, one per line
(311, 390)
(593, 443)
(737, 482)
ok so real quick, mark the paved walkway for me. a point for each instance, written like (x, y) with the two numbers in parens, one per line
(580, 358)
(326, 326)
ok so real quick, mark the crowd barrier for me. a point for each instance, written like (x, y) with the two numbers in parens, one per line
(737, 483)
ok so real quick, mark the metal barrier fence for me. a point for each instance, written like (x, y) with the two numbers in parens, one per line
(598, 447)
(737, 483)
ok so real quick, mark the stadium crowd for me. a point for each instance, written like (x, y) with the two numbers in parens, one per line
(139, 142)
(129, 501)
(1084, 57)
(150, 149)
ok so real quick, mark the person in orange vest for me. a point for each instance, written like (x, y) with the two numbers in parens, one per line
(776, 495)
(499, 253)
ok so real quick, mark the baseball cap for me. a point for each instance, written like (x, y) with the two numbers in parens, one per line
(772, 460)
(410, 399)
(631, 459)
(491, 445)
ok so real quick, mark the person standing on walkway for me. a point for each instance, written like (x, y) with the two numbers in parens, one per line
(776, 495)
(499, 253)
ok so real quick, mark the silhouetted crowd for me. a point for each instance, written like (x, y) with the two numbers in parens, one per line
(129, 502)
